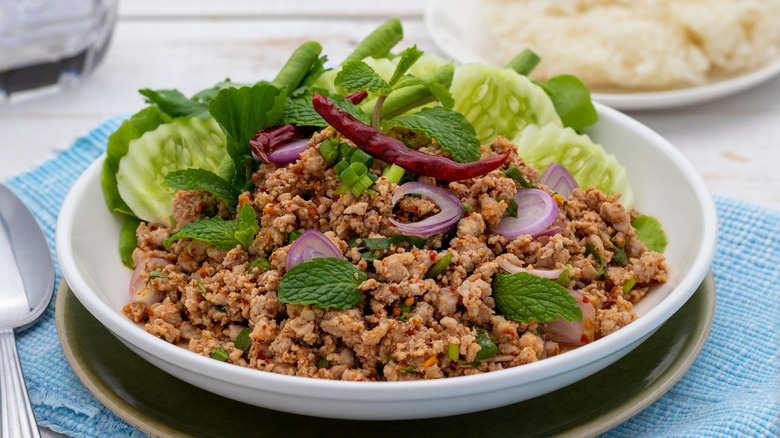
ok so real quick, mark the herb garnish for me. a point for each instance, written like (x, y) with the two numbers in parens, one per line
(324, 282)
(524, 297)
(650, 232)
(200, 179)
(224, 234)
(489, 348)
(155, 274)
(515, 174)
(219, 354)
(243, 341)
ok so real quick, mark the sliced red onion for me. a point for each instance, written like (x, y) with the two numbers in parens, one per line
(536, 210)
(574, 333)
(288, 152)
(311, 244)
(139, 291)
(558, 179)
(513, 269)
(449, 206)
(549, 233)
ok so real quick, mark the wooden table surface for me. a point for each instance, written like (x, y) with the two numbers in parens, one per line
(733, 142)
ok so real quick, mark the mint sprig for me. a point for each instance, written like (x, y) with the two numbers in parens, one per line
(324, 282)
(200, 179)
(524, 297)
(224, 234)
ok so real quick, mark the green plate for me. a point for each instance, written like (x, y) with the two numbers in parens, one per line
(162, 405)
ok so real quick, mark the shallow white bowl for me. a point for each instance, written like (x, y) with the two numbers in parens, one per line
(665, 185)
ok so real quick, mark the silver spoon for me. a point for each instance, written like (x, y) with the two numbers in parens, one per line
(26, 288)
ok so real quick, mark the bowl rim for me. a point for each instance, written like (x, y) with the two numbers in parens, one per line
(129, 332)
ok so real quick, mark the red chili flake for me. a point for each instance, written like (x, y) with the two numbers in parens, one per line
(609, 302)
(409, 332)
(260, 354)
(584, 339)
(263, 189)
(585, 299)
(151, 313)
(453, 288)
(432, 255)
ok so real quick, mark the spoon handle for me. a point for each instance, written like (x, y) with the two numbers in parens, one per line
(17, 418)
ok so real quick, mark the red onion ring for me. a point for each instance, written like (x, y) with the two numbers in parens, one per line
(549, 233)
(558, 179)
(574, 333)
(448, 203)
(289, 151)
(311, 244)
(513, 269)
(536, 210)
(139, 291)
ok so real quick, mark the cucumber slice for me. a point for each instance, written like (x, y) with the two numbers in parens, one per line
(588, 162)
(499, 101)
(187, 142)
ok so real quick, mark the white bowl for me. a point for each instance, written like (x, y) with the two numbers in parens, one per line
(665, 185)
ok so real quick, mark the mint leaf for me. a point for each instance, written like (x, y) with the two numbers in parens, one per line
(241, 112)
(128, 240)
(243, 341)
(524, 297)
(223, 234)
(324, 282)
(449, 128)
(357, 75)
(175, 104)
(298, 109)
(148, 119)
(571, 99)
(650, 232)
(408, 57)
(489, 348)
(438, 90)
(200, 179)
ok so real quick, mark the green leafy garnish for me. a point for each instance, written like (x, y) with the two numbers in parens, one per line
(224, 234)
(260, 262)
(571, 99)
(241, 112)
(298, 109)
(175, 104)
(200, 179)
(515, 174)
(408, 57)
(650, 232)
(489, 348)
(128, 240)
(324, 282)
(511, 209)
(148, 119)
(590, 249)
(566, 276)
(215, 306)
(205, 96)
(155, 274)
(524, 297)
(620, 258)
(219, 354)
(449, 128)
(243, 341)
(409, 368)
(357, 75)
(375, 243)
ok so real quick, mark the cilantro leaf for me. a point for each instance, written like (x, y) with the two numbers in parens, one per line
(438, 90)
(200, 179)
(241, 112)
(408, 57)
(357, 75)
(128, 240)
(324, 282)
(571, 99)
(489, 348)
(524, 297)
(243, 341)
(148, 119)
(223, 234)
(650, 232)
(449, 128)
(175, 104)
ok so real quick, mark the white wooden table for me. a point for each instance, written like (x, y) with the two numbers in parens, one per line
(733, 142)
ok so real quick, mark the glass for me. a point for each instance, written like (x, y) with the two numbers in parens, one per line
(48, 45)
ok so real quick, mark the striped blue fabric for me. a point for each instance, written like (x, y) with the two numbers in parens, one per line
(732, 390)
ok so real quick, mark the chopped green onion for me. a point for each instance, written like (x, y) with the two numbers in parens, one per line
(524, 62)
(393, 173)
(453, 351)
(329, 150)
(219, 354)
(202, 288)
(439, 266)
(627, 286)
(340, 166)
(409, 368)
(243, 341)
(260, 262)
(343, 149)
(361, 157)
(361, 185)
(352, 173)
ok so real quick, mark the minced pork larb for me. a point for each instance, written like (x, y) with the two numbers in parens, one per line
(375, 222)
(202, 298)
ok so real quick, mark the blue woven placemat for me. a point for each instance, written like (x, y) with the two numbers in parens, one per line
(733, 388)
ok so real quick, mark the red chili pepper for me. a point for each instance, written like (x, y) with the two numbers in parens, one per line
(357, 96)
(269, 139)
(395, 152)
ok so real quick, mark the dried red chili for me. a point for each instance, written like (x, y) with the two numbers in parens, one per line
(395, 152)
(269, 139)
(357, 96)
